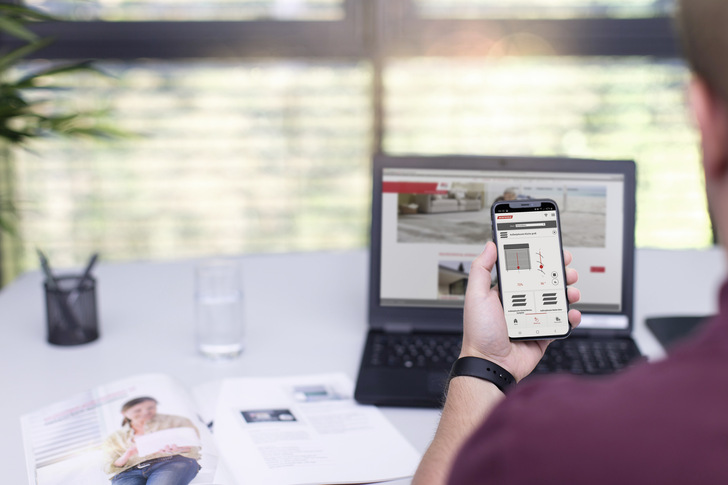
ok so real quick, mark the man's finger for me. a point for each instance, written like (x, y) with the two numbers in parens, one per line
(482, 266)
(574, 317)
(488, 256)
(571, 276)
(573, 294)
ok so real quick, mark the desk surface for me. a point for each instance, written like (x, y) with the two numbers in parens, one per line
(146, 322)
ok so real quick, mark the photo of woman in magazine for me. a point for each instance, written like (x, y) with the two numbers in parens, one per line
(152, 448)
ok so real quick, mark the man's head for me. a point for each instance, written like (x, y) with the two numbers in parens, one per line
(703, 27)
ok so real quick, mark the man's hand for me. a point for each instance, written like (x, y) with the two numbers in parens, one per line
(470, 400)
(485, 334)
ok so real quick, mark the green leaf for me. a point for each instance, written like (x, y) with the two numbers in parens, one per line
(90, 132)
(27, 81)
(8, 113)
(14, 136)
(7, 221)
(16, 29)
(25, 12)
(11, 57)
(7, 226)
(61, 122)
(12, 100)
(22, 116)
(7, 205)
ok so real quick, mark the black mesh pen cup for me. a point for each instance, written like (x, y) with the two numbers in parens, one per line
(71, 310)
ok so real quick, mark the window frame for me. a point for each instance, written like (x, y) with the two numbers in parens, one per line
(371, 30)
(98, 39)
(651, 37)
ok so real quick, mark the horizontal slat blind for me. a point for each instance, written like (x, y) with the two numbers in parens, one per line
(227, 157)
(173, 10)
(608, 108)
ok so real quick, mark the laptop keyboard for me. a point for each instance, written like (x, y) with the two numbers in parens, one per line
(423, 351)
(438, 352)
(588, 356)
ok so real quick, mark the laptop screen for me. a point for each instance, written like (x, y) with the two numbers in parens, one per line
(436, 219)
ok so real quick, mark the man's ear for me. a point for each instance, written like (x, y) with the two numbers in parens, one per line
(712, 117)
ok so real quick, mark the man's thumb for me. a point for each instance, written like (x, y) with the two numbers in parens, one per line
(482, 267)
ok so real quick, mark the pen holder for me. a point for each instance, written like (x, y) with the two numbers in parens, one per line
(71, 310)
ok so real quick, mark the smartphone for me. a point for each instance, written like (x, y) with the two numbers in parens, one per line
(531, 273)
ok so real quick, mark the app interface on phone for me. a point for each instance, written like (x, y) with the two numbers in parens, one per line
(531, 273)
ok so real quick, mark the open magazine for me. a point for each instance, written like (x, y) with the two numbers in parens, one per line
(306, 430)
(78, 440)
(288, 431)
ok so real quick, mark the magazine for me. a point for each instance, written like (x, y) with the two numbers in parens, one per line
(287, 430)
(77, 440)
(307, 430)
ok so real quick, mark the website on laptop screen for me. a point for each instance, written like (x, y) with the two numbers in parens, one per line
(436, 221)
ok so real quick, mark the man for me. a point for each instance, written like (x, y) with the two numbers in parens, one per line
(661, 423)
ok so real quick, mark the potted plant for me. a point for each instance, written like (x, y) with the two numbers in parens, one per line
(27, 109)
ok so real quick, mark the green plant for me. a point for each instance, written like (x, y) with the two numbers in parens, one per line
(27, 99)
(30, 108)
(23, 118)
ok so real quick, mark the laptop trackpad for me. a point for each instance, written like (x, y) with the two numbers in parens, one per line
(401, 387)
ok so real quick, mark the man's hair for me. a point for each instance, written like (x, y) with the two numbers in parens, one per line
(703, 26)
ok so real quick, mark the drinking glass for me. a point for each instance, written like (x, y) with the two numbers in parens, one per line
(219, 318)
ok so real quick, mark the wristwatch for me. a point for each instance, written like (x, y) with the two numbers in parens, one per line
(483, 369)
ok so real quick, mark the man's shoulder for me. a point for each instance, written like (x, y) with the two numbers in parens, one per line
(675, 382)
(635, 418)
(686, 375)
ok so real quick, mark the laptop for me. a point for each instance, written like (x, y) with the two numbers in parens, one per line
(431, 218)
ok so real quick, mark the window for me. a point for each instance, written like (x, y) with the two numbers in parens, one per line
(256, 119)
(611, 108)
(541, 8)
(193, 10)
(225, 157)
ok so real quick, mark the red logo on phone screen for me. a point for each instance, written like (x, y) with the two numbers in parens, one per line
(505, 217)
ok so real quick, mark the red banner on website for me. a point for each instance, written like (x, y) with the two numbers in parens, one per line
(415, 187)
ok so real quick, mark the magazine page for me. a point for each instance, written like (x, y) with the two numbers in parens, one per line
(305, 430)
(140, 425)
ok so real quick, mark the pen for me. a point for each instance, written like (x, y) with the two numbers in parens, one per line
(69, 320)
(73, 296)
(52, 283)
(90, 265)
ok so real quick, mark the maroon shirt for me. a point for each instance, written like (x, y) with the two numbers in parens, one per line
(663, 423)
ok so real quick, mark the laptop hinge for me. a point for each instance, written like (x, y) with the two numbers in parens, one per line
(398, 327)
(602, 333)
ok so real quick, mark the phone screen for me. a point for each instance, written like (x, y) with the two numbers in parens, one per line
(531, 275)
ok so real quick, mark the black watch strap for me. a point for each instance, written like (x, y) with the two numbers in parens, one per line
(483, 369)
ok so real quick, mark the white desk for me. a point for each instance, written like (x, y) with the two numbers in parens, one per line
(306, 314)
